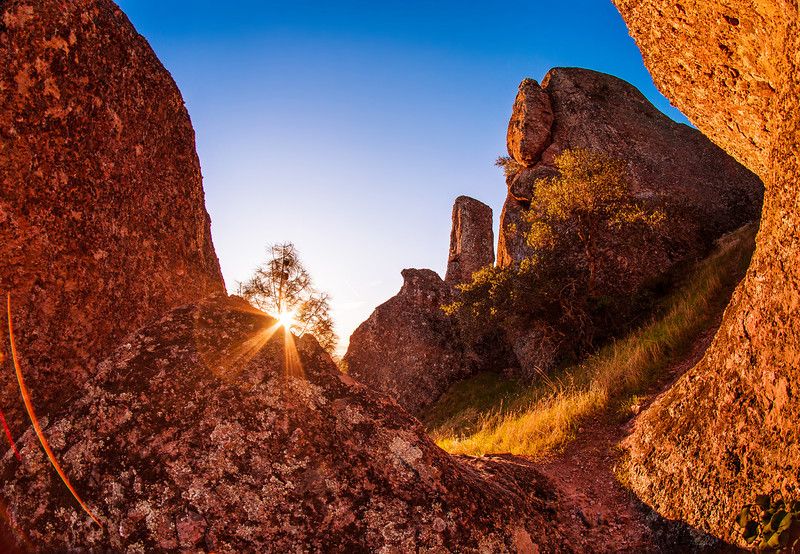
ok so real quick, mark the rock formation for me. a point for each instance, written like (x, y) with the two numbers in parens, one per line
(192, 436)
(102, 220)
(670, 165)
(728, 429)
(531, 123)
(471, 240)
(409, 348)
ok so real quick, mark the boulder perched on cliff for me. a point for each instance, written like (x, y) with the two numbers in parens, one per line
(409, 348)
(529, 131)
(192, 436)
(671, 166)
(102, 220)
(471, 240)
(728, 430)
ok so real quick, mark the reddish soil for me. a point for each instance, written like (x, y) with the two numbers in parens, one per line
(613, 519)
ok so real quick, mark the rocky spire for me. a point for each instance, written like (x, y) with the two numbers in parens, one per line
(471, 240)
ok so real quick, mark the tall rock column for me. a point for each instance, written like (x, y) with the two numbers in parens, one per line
(471, 240)
(728, 429)
(102, 219)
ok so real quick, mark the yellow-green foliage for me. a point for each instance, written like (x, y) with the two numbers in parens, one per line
(541, 418)
(590, 187)
(591, 194)
(771, 523)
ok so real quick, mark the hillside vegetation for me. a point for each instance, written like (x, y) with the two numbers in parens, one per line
(487, 414)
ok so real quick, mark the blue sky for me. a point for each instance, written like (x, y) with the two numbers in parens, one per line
(350, 127)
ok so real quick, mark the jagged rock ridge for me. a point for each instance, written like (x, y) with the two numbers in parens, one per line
(728, 429)
(102, 218)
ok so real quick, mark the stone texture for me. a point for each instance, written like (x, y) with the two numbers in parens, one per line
(102, 218)
(193, 437)
(530, 125)
(408, 347)
(535, 348)
(471, 240)
(728, 429)
(671, 166)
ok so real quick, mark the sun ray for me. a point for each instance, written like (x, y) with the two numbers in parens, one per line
(32, 415)
(292, 364)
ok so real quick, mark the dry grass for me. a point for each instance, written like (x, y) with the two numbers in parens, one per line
(542, 418)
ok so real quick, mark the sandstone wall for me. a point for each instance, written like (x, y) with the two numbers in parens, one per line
(728, 429)
(102, 218)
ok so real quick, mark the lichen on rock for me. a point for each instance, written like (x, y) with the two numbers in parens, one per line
(727, 430)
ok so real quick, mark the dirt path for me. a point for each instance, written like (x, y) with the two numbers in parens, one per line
(606, 516)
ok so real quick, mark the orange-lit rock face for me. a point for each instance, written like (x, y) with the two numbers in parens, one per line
(671, 166)
(728, 430)
(102, 220)
(192, 436)
(529, 131)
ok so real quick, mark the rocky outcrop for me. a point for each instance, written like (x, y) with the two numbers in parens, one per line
(728, 429)
(192, 436)
(671, 166)
(102, 218)
(409, 348)
(471, 240)
(529, 131)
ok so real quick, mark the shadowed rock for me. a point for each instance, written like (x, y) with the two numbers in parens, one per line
(192, 436)
(728, 429)
(102, 221)
(471, 240)
(408, 347)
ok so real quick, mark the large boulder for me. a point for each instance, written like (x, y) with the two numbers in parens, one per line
(409, 348)
(728, 429)
(193, 436)
(671, 166)
(471, 240)
(102, 218)
(531, 122)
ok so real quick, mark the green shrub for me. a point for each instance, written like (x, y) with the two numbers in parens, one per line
(509, 165)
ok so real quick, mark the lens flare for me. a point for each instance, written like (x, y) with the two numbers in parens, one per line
(26, 398)
(10, 438)
(287, 319)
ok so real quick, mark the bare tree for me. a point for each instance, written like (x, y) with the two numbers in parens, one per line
(282, 287)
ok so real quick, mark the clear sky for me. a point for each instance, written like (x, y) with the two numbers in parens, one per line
(349, 128)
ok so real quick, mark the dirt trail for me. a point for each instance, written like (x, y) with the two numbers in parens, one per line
(606, 517)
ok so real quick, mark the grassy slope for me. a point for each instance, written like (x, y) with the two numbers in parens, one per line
(487, 414)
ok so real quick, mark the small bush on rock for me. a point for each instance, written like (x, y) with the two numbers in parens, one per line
(509, 165)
